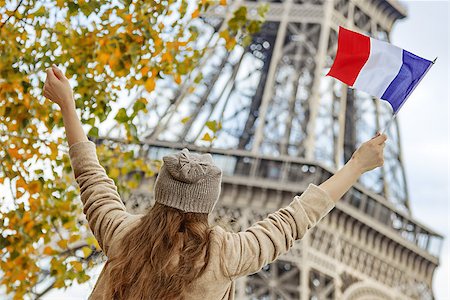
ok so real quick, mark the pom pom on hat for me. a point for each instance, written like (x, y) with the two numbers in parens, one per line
(190, 167)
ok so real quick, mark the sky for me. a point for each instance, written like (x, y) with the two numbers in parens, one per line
(424, 125)
(424, 128)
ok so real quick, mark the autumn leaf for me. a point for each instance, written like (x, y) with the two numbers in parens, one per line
(34, 187)
(177, 78)
(86, 251)
(207, 137)
(77, 266)
(62, 244)
(150, 84)
(48, 250)
(195, 14)
(14, 153)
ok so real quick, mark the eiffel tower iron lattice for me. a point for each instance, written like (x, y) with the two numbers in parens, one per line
(284, 125)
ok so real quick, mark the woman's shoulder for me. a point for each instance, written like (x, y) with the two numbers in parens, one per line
(130, 221)
(217, 234)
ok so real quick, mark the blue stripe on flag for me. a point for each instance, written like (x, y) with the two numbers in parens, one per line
(412, 70)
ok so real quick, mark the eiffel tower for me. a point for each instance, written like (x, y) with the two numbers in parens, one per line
(284, 124)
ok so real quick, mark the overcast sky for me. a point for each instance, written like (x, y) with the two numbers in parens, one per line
(424, 124)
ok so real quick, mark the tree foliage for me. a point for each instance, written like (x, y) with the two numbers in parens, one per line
(106, 48)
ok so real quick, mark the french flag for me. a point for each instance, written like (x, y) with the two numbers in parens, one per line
(377, 68)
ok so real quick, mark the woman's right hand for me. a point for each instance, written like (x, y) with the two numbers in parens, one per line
(370, 154)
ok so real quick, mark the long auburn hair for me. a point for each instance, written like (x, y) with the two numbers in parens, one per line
(161, 256)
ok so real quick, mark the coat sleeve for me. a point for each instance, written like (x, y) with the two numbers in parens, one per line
(246, 252)
(102, 205)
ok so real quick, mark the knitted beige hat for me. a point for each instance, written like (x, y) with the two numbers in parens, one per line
(188, 181)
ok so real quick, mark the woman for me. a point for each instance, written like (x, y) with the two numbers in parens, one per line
(171, 252)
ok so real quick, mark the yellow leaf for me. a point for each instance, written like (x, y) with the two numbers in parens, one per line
(184, 120)
(195, 13)
(133, 184)
(103, 57)
(20, 183)
(92, 241)
(69, 224)
(177, 78)
(150, 84)
(86, 251)
(34, 187)
(48, 250)
(26, 102)
(26, 217)
(21, 276)
(77, 266)
(114, 173)
(62, 244)
(74, 238)
(29, 226)
(143, 100)
(166, 57)
(207, 137)
(14, 152)
(145, 70)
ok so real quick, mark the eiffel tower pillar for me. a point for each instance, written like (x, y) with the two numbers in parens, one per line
(285, 125)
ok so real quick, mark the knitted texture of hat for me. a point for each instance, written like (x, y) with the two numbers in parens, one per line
(188, 181)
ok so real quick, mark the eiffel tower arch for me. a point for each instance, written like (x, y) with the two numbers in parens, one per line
(285, 125)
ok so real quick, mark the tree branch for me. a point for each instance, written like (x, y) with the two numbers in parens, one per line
(14, 12)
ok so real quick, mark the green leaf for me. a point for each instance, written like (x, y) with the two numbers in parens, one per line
(247, 40)
(198, 78)
(73, 7)
(40, 12)
(133, 130)
(121, 116)
(262, 9)
(184, 120)
(91, 121)
(139, 105)
(212, 125)
(83, 277)
(254, 26)
(241, 12)
(93, 132)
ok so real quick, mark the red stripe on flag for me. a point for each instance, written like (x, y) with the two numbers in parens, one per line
(352, 54)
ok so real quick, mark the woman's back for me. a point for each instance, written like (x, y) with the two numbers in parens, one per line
(229, 255)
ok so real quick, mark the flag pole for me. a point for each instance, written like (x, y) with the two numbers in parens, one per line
(395, 114)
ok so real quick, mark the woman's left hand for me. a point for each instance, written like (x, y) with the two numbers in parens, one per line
(57, 88)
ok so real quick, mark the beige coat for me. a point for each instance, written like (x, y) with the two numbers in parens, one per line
(231, 254)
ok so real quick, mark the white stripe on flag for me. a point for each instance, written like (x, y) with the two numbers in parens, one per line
(383, 65)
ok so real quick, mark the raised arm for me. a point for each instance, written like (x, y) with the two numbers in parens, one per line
(102, 205)
(248, 251)
(57, 88)
(367, 157)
